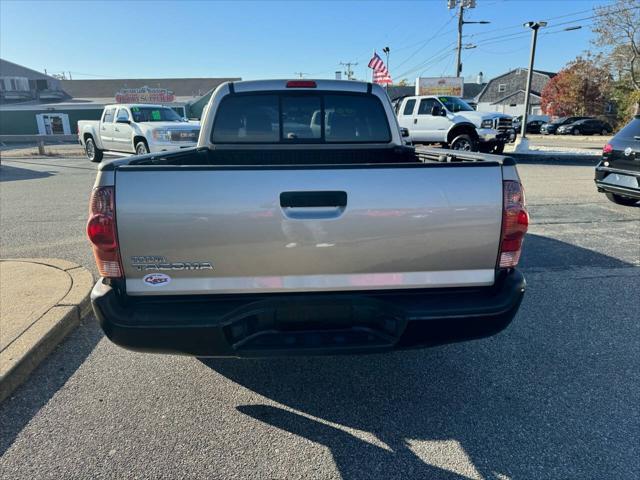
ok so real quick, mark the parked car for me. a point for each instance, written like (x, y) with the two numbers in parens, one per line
(136, 129)
(534, 122)
(276, 237)
(453, 123)
(618, 173)
(551, 128)
(587, 126)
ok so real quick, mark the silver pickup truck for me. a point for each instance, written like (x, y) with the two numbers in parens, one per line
(302, 224)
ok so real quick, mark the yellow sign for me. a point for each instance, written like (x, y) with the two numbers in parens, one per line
(451, 86)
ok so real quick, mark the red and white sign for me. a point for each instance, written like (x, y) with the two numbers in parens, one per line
(145, 95)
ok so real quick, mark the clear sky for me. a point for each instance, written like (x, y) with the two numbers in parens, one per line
(119, 39)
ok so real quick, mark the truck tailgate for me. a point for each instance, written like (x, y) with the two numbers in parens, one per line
(322, 228)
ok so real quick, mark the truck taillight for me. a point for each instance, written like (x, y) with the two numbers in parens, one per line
(102, 232)
(515, 222)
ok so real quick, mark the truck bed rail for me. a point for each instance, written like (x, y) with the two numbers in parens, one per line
(442, 155)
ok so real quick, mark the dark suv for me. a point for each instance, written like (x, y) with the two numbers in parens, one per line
(587, 126)
(551, 127)
(618, 173)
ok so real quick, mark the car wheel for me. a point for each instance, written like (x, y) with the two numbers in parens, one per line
(463, 142)
(142, 148)
(604, 131)
(93, 153)
(576, 131)
(620, 200)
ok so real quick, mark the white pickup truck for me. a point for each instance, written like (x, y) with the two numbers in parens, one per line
(136, 129)
(302, 224)
(450, 121)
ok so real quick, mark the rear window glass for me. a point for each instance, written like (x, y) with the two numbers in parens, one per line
(108, 115)
(632, 129)
(313, 117)
(301, 117)
(408, 108)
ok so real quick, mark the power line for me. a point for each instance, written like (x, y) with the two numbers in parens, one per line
(425, 42)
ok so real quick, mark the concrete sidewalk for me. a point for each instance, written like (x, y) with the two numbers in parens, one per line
(41, 300)
(65, 150)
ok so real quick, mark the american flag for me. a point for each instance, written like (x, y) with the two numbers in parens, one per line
(380, 72)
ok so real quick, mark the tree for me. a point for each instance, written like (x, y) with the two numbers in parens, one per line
(582, 88)
(617, 29)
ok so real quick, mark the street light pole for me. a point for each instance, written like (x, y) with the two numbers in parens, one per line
(386, 51)
(534, 26)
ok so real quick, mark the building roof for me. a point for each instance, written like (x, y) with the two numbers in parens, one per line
(181, 87)
(541, 72)
(10, 69)
(397, 91)
(472, 89)
(517, 92)
(488, 84)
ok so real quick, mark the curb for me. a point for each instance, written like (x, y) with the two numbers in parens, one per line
(24, 354)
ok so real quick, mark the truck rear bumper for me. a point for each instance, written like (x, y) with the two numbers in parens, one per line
(306, 324)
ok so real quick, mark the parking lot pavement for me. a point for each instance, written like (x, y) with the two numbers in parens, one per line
(556, 395)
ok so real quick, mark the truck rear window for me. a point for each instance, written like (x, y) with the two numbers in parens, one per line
(301, 117)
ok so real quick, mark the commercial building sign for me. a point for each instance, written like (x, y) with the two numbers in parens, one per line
(145, 95)
(452, 86)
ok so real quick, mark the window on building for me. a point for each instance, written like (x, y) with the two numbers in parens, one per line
(16, 84)
(408, 107)
(502, 87)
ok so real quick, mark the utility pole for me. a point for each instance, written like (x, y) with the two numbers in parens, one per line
(459, 54)
(300, 74)
(451, 4)
(348, 72)
(534, 26)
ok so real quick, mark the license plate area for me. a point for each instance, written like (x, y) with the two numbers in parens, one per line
(305, 324)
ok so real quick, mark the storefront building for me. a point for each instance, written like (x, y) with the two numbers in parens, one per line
(35, 103)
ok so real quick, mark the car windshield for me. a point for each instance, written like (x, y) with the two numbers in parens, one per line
(454, 104)
(154, 114)
(559, 121)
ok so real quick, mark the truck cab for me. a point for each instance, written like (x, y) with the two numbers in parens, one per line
(452, 122)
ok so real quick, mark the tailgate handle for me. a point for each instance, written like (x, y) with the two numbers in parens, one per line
(313, 199)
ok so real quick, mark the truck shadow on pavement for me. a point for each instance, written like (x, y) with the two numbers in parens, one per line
(12, 174)
(546, 398)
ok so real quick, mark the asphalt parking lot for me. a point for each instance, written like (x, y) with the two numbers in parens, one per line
(556, 395)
